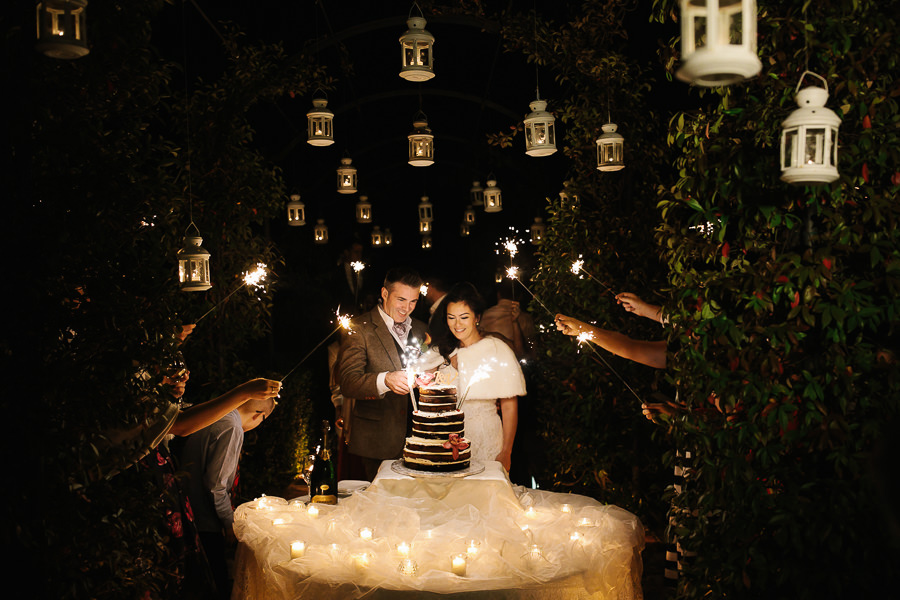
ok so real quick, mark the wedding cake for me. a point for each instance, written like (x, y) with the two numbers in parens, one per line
(437, 442)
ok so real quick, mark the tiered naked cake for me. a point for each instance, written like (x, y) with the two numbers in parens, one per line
(437, 442)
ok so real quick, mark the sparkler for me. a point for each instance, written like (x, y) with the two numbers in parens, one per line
(423, 289)
(480, 374)
(253, 278)
(513, 273)
(358, 266)
(578, 268)
(410, 361)
(511, 246)
(588, 336)
(343, 323)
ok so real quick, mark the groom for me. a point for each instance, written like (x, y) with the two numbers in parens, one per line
(372, 372)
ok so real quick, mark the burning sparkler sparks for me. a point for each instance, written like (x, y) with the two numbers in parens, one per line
(513, 273)
(423, 289)
(358, 266)
(254, 278)
(584, 336)
(482, 372)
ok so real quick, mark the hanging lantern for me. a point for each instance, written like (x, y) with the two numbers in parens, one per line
(567, 199)
(425, 215)
(540, 131)
(469, 215)
(320, 232)
(377, 237)
(320, 126)
(346, 177)
(492, 201)
(421, 143)
(416, 51)
(465, 229)
(193, 264)
(363, 210)
(62, 28)
(718, 42)
(809, 138)
(538, 229)
(476, 194)
(610, 149)
(426, 242)
(296, 211)
(388, 237)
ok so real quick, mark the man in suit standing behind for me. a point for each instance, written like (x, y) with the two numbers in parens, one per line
(372, 370)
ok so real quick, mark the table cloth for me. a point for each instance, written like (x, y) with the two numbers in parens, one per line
(397, 538)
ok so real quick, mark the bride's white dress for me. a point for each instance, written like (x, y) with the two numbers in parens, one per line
(487, 370)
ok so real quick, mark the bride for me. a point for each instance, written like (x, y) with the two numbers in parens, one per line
(488, 374)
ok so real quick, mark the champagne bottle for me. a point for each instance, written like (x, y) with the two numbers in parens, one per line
(323, 479)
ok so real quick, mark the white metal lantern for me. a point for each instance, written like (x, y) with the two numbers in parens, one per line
(377, 237)
(465, 229)
(540, 130)
(388, 237)
(568, 200)
(193, 264)
(363, 210)
(346, 177)
(538, 229)
(492, 200)
(476, 194)
(469, 215)
(320, 232)
(421, 143)
(718, 42)
(62, 28)
(426, 242)
(296, 211)
(417, 60)
(809, 149)
(320, 124)
(425, 215)
(610, 149)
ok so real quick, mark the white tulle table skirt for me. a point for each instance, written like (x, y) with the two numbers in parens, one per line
(514, 542)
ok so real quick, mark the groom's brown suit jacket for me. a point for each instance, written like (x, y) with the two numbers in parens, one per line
(378, 424)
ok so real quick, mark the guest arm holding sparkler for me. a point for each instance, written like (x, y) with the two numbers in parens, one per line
(652, 354)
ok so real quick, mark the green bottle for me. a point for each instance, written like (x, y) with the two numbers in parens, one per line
(323, 479)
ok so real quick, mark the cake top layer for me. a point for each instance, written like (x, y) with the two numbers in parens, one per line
(437, 390)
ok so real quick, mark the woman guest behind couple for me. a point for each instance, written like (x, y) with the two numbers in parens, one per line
(488, 374)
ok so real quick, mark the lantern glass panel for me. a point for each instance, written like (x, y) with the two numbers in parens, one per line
(735, 29)
(815, 144)
(424, 227)
(789, 148)
(834, 146)
(699, 31)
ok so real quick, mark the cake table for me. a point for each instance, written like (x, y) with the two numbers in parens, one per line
(439, 537)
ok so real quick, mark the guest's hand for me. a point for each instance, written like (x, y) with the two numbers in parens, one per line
(177, 381)
(568, 325)
(514, 310)
(397, 382)
(184, 331)
(658, 411)
(632, 303)
(260, 389)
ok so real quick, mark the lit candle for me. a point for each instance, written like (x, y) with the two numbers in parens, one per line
(365, 533)
(313, 511)
(585, 522)
(403, 549)
(566, 508)
(408, 566)
(474, 545)
(530, 512)
(534, 553)
(277, 522)
(576, 537)
(362, 560)
(458, 564)
(524, 527)
(298, 549)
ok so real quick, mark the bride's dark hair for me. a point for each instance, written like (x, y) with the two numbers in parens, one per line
(463, 292)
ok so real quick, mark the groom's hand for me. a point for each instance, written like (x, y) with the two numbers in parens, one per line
(397, 382)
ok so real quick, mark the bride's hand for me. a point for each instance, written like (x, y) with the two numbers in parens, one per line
(505, 459)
